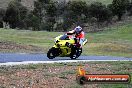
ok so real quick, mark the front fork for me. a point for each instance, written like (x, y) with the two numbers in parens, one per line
(55, 46)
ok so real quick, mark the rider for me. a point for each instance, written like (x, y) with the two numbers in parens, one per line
(79, 35)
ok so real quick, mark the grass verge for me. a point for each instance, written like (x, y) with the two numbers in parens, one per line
(60, 75)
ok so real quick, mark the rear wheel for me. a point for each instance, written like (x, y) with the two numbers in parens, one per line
(79, 51)
(73, 52)
(76, 52)
(73, 57)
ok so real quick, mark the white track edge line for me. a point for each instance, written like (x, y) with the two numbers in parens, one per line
(42, 62)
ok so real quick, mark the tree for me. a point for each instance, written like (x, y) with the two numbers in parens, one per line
(38, 9)
(51, 10)
(11, 15)
(31, 21)
(51, 13)
(129, 8)
(99, 11)
(78, 7)
(15, 14)
(69, 18)
(45, 11)
(2, 13)
(73, 13)
(119, 7)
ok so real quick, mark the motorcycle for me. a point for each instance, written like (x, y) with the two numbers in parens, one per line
(65, 46)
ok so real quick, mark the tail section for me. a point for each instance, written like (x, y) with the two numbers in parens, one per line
(85, 41)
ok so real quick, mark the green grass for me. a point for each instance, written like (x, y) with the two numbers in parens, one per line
(113, 41)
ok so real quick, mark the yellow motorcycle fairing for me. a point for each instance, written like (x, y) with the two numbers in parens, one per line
(61, 43)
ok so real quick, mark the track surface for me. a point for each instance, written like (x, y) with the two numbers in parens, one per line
(20, 58)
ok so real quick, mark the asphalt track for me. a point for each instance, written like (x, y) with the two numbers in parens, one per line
(24, 58)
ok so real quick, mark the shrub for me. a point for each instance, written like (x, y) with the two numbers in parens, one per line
(119, 7)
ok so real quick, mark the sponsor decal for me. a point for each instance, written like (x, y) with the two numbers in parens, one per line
(83, 78)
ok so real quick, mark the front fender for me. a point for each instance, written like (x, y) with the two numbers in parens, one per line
(55, 46)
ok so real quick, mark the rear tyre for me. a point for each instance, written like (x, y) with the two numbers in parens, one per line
(73, 53)
(76, 52)
(79, 51)
(73, 57)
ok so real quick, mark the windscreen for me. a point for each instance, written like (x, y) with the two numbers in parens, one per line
(64, 37)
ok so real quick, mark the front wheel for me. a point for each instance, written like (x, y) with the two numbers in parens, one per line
(50, 53)
(53, 52)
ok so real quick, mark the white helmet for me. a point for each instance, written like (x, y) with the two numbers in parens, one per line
(78, 30)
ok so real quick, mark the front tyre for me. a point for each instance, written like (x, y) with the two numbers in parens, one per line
(50, 53)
